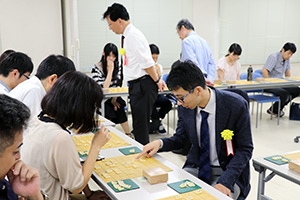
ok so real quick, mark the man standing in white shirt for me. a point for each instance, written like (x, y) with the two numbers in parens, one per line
(139, 69)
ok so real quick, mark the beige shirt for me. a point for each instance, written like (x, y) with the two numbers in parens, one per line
(52, 151)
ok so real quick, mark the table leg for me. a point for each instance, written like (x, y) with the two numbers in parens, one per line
(103, 107)
(261, 180)
(261, 184)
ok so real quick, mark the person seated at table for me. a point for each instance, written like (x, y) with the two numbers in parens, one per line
(278, 66)
(108, 73)
(32, 91)
(15, 67)
(162, 104)
(220, 133)
(48, 145)
(6, 53)
(228, 67)
(16, 178)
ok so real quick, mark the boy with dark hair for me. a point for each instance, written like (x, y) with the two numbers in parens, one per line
(22, 179)
(31, 92)
(15, 67)
(205, 117)
(162, 104)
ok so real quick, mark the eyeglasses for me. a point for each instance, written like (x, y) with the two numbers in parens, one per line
(181, 99)
(26, 76)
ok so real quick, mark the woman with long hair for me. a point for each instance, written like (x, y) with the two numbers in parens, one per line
(108, 73)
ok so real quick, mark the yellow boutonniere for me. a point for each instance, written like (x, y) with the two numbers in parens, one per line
(227, 134)
(122, 51)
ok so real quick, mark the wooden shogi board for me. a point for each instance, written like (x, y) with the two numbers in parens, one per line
(83, 142)
(199, 194)
(125, 167)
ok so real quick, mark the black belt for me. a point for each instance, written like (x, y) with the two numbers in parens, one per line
(138, 79)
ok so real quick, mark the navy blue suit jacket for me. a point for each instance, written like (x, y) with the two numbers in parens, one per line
(232, 112)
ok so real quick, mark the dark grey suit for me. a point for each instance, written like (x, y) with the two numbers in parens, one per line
(232, 112)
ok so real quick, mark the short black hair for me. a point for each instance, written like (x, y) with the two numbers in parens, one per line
(13, 119)
(186, 23)
(185, 75)
(73, 100)
(154, 49)
(115, 12)
(235, 48)
(16, 60)
(6, 53)
(54, 64)
(290, 46)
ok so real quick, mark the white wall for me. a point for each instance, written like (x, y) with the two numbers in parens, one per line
(156, 19)
(31, 26)
(206, 22)
(261, 27)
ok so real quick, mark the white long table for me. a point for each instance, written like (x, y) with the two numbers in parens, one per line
(147, 191)
(242, 85)
(261, 166)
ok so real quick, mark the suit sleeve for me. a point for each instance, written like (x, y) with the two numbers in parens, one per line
(180, 138)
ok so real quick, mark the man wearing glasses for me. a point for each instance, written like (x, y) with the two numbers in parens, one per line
(219, 132)
(15, 67)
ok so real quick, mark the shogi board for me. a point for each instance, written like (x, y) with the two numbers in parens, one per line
(125, 167)
(274, 80)
(244, 82)
(293, 156)
(117, 89)
(296, 78)
(199, 194)
(83, 142)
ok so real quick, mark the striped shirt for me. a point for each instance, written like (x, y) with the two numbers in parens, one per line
(99, 76)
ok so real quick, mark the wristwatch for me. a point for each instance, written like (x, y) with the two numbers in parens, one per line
(46, 196)
(157, 80)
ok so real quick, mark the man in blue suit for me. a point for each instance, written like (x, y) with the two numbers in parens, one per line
(228, 114)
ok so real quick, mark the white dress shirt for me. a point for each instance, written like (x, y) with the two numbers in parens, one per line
(31, 93)
(137, 54)
(211, 109)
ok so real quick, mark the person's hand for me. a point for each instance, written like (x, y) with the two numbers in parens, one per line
(208, 83)
(150, 149)
(110, 65)
(223, 189)
(25, 181)
(161, 85)
(101, 137)
(115, 103)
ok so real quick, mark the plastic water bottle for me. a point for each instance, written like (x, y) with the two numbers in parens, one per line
(249, 73)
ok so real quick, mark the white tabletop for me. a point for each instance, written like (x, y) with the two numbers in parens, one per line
(281, 170)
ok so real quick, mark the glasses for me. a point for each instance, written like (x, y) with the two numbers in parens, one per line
(181, 99)
(26, 76)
